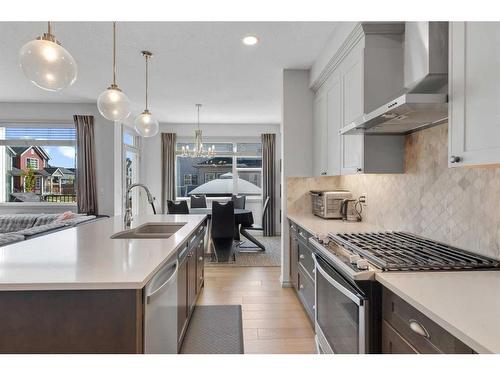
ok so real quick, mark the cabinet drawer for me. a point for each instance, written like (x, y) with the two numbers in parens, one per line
(306, 259)
(393, 343)
(305, 290)
(422, 333)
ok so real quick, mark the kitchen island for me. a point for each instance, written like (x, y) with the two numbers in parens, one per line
(81, 291)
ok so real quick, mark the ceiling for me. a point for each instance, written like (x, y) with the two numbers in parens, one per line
(194, 62)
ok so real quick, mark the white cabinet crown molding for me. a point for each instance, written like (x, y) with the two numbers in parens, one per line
(361, 29)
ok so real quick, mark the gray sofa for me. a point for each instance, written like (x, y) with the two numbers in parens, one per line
(19, 227)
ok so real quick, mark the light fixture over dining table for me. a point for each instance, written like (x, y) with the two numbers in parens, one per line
(199, 150)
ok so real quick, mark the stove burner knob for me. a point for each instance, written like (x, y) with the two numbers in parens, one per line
(353, 258)
(362, 264)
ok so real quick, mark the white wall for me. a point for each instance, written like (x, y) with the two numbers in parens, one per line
(296, 130)
(103, 140)
(150, 170)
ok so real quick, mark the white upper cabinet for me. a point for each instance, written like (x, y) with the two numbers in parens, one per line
(474, 88)
(334, 123)
(320, 166)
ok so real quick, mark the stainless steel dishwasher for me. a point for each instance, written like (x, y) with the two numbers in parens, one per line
(160, 311)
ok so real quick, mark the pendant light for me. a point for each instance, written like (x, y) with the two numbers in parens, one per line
(199, 150)
(145, 124)
(47, 64)
(113, 104)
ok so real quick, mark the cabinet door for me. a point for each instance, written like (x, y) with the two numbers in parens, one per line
(294, 257)
(200, 263)
(182, 310)
(320, 135)
(334, 124)
(474, 113)
(353, 107)
(353, 84)
(192, 281)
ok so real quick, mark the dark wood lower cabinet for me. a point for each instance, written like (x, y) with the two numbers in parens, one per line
(418, 331)
(71, 321)
(393, 343)
(182, 299)
(294, 256)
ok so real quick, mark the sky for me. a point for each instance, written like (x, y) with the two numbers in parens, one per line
(61, 156)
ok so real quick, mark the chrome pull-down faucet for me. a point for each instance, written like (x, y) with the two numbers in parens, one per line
(128, 205)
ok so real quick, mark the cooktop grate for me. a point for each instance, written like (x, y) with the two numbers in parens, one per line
(401, 251)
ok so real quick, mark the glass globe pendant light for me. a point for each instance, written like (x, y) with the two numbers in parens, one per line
(145, 124)
(47, 64)
(113, 104)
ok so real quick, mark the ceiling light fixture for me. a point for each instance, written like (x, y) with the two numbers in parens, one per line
(199, 151)
(113, 104)
(250, 40)
(145, 124)
(47, 64)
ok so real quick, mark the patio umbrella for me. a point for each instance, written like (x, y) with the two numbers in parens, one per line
(224, 185)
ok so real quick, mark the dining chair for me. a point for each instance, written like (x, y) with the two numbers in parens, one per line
(198, 201)
(222, 230)
(244, 231)
(180, 208)
(239, 201)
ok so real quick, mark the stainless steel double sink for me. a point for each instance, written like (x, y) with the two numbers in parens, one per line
(150, 230)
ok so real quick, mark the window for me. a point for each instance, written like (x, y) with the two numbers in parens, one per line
(37, 163)
(32, 163)
(131, 159)
(214, 176)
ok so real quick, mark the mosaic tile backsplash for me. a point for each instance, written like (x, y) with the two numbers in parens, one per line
(458, 206)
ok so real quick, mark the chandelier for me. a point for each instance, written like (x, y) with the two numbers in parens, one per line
(198, 151)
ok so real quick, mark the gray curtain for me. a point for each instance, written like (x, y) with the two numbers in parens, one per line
(269, 182)
(167, 169)
(86, 183)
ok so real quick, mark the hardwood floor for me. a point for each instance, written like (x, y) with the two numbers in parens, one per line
(274, 321)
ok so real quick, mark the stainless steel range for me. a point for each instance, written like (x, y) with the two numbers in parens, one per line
(347, 308)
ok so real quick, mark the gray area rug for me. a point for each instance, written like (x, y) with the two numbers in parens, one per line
(269, 258)
(214, 330)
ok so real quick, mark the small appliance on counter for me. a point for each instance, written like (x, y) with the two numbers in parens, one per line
(351, 209)
(327, 204)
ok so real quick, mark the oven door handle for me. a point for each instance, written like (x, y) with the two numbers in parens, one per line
(358, 300)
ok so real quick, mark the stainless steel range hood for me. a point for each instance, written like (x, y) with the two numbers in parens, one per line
(425, 101)
(403, 115)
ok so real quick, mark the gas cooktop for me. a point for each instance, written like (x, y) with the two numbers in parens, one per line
(401, 251)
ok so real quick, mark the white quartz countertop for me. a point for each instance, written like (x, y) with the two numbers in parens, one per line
(85, 257)
(466, 304)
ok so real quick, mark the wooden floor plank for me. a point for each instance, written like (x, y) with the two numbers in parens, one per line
(274, 321)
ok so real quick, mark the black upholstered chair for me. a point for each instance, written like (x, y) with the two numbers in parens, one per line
(244, 230)
(177, 207)
(223, 230)
(198, 201)
(239, 201)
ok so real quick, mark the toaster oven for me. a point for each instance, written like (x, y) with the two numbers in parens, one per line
(327, 203)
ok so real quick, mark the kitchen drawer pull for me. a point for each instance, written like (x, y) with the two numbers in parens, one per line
(301, 286)
(301, 256)
(302, 235)
(200, 259)
(419, 328)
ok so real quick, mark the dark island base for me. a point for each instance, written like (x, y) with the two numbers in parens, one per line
(71, 321)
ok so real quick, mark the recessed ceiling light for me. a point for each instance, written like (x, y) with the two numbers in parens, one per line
(250, 40)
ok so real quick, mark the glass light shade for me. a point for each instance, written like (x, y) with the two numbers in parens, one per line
(146, 125)
(113, 104)
(48, 65)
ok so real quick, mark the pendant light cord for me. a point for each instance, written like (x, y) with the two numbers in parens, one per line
(147, 57)
(198, 106)
(114, 54)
